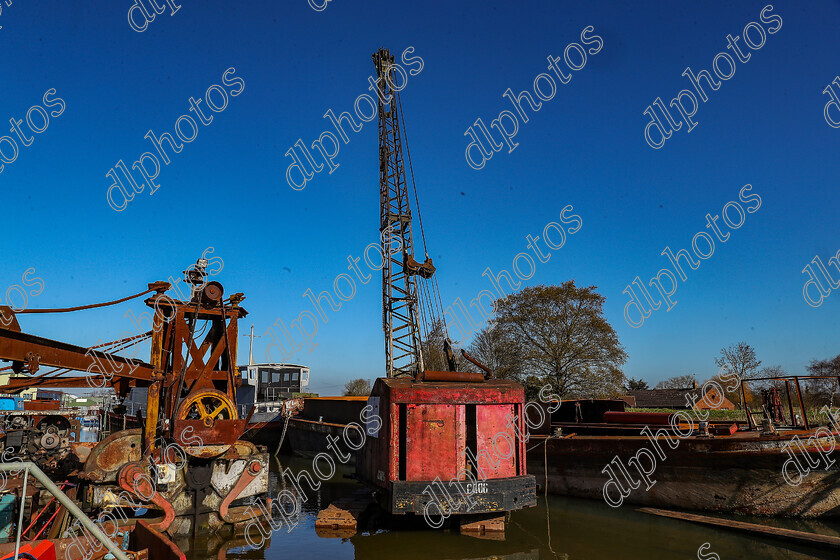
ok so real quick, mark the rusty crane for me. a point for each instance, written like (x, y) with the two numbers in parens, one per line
(186, 461)
(437, 428)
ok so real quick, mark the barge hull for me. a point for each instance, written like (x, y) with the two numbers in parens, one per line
(720, 475)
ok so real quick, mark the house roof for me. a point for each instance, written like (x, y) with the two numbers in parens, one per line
(664, 398)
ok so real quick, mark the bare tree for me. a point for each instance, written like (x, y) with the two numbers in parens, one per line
(434, 355)
(563, 337)
(818, 392)
(772, 371)
(739, 359)
(830, 366)
(497, 352)
(677, 382)
(357, 388)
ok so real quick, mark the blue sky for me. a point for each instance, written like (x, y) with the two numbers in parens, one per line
(585, 147)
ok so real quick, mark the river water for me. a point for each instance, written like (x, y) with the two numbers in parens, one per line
(558, 528)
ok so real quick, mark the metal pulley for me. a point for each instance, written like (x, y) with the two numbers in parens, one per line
(212, 294)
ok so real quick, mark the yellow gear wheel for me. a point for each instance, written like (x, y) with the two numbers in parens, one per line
(207, 405)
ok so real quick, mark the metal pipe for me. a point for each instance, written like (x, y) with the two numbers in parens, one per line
(461, 376)
(49, 485)
(22, 509)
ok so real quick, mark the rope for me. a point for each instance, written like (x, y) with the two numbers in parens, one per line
(434, 313)
(114, 342)
(283, 435)
(411, 169)
(83, 307)
(545, 495)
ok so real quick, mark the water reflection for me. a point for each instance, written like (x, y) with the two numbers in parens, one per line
(558, 528)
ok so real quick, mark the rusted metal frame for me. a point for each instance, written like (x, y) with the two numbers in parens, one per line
(168, 358)
(180, 341)
(781, 377)
(790, 403)
(215, 358)
(750, 422)
(195, 353)
(231, 350)
(15, 345)
(154, 393)
(198, 365)
(178, 358)
(801, 404)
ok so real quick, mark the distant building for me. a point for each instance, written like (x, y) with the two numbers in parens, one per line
(26, 393)
(48, 395)
(679, 399)
(263, 383)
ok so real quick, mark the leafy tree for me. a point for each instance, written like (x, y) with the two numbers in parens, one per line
(637, 384)
(357, 388)
(533, 385)
(739, 359)
(563, 337)
(677, 382)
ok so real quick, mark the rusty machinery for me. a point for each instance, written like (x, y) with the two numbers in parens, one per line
(186, 461)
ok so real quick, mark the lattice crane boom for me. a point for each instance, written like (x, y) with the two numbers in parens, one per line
(400, 304)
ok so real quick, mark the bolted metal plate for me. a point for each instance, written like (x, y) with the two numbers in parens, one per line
(225, 477)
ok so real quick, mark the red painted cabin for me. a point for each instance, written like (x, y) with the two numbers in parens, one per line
(445, 431)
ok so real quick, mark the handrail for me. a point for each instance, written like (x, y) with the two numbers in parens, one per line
(33, 469)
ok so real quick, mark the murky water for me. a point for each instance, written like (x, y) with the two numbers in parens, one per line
(559, 527)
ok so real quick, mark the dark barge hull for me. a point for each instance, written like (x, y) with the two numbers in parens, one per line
(321, 417)
(739, 474)
(307, 438)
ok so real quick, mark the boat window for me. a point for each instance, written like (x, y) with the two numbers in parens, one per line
(253, 374)
(295, 376)
(286, 377)
(265, 376)
(275, 377)
(244, 374)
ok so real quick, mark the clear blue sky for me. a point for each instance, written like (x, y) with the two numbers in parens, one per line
(585, 147)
